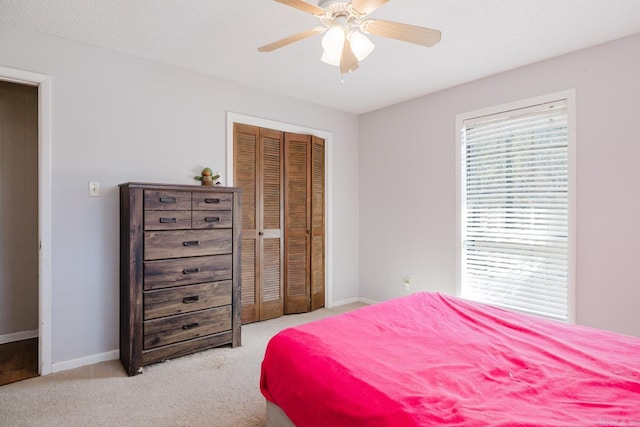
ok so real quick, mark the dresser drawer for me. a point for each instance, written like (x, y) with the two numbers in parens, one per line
(167, 220)
(174, 272)
(211, 219)
(212, 201)
(167, 200)
(186, 243)
(169, 330)
(185, 299)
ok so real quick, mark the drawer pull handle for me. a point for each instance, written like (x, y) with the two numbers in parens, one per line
(190, 270)
(167, 199)
(168, 220)
(191, 300)
(190, 326)
(212, 219)
(191, 243)
(216, 201)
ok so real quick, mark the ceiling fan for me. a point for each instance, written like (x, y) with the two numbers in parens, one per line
(345, 25)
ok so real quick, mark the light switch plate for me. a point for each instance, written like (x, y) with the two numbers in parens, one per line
(94, 189)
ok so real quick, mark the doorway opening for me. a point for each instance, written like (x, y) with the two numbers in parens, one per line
(18, 232)
(41, 182)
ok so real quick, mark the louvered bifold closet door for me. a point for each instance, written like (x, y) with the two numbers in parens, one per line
(258, 171)
(317, 223)
(270, 235)
(297, 214)
(245, 151)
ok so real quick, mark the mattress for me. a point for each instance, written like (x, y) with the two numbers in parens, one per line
(431, 359)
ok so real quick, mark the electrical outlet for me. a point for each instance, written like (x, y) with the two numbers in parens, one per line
(407, 283)
(94, 189)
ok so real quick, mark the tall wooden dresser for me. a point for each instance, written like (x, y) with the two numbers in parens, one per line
(179, 271)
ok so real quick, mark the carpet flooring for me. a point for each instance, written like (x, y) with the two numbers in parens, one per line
(217, 387)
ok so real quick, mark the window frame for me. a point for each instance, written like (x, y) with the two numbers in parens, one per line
(569, 97)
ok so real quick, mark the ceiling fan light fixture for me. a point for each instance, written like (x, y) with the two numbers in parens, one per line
(345, 25)
(333, 43)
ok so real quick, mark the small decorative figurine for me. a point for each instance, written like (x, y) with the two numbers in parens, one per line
(207, 177)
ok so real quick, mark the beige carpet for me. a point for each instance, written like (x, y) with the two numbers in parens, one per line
(218, 387)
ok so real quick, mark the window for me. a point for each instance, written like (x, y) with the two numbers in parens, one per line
(516, 238)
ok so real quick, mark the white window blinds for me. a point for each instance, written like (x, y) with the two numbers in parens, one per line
(514, 215)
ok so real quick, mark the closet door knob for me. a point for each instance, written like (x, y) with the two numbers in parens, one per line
(260, 233)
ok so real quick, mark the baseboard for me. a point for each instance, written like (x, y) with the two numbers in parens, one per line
(18, 336)
(83, 361)
(351, 301)
(368, 301)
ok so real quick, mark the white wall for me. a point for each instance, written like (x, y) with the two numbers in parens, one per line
(116, 119)
(407, 193)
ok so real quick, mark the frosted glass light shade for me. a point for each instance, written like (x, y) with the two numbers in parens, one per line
(332, 57)
(332, 43)
(361, 45)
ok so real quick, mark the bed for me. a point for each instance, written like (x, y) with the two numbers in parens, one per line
(430, 359)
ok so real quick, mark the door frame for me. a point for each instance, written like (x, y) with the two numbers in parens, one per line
(43, 82)
(328, 179)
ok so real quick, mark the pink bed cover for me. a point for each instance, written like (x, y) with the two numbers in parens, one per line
(430, 359)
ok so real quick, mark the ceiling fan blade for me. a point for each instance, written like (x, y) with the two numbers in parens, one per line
(303, 6)
(403, 32)
(291, 39)
(348, 62)
(365, 7)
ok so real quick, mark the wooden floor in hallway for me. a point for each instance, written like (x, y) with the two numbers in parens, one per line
(18, 360)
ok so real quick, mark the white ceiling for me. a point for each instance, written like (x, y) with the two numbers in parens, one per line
(220, 38)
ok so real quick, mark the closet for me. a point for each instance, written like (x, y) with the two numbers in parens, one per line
(283, 239)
